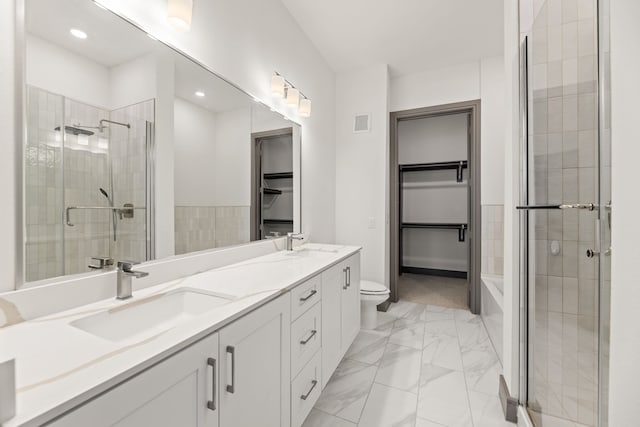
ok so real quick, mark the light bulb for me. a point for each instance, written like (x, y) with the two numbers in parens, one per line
(179, 13)
(305, 107)
(293, 96)
(277, 86)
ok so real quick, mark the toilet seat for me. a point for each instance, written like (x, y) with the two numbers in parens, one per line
(372, 288)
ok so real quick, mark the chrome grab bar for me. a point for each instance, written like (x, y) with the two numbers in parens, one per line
(118, 209)
(588, 206)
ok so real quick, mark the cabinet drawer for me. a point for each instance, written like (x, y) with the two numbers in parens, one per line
(305, 338)
(305, 296)
(305, 390)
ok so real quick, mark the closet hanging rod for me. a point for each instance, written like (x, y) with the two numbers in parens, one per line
(462, 228)
(458, 165)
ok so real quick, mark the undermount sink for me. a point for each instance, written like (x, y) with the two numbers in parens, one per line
(150, 315)
(313, 250)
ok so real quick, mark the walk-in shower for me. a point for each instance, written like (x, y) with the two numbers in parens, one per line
(87, 179)
(564, 214)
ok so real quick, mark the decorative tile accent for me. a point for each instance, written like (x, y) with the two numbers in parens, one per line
(205, 227)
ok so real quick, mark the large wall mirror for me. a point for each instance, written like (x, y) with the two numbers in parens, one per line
(134, 151)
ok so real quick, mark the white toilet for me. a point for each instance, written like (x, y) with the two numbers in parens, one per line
(371, 294)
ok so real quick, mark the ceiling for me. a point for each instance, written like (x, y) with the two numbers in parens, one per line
(408, 35)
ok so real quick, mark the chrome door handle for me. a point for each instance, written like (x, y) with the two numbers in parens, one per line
(313, 334)
(231, 388)
(211, 404)
(588, 206)
(306, 395)
(312, 293)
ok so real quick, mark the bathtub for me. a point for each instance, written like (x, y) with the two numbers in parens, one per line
(491, 310)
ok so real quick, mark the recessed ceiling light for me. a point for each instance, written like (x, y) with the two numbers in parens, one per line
(200, 94)
(78, 33)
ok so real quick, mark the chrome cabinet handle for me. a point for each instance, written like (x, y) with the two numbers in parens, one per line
(211, 404)
(348, 277)
(313, 385)
(312, 293)
(593, 253)
(231, 388)
(344, 270)
(313, 334)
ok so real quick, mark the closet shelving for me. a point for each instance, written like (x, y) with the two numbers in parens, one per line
(458, 166)
(278, 221)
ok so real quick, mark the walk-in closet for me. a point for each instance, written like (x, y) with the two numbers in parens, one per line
(434, 206)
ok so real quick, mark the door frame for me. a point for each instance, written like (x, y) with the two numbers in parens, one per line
(474, 218)
(256, 181)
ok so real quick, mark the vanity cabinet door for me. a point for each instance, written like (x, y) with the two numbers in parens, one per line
(176, 392)
(351, 302)
(255, 369)
(340, 312)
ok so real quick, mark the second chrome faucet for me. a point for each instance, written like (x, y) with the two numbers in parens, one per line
(125, 273)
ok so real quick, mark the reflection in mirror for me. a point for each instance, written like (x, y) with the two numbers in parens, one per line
(114, 120)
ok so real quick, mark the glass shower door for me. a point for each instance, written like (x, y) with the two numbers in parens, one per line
(560, 219)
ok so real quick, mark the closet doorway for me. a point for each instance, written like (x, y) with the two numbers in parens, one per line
(272, 184)
(434, 194)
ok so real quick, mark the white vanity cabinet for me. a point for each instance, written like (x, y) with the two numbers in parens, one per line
(340, 312)
(255, 368)
(178, 391)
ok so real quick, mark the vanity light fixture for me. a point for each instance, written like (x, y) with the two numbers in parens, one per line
(179, 13)
(200, 94)
(283, 88)
(78, 33)
(304, 109)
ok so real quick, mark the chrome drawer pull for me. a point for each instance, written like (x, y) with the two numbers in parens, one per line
(312, 293)
(212, 403)
(231, 388)
(313, 334)
(313, 385)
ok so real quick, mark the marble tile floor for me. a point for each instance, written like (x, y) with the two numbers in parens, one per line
(423, 366)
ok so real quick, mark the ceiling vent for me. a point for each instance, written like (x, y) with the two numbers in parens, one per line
(362, 123)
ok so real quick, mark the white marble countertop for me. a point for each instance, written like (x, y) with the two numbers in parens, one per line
(59, 366)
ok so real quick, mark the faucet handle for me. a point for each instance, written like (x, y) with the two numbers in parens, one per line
(126, 265)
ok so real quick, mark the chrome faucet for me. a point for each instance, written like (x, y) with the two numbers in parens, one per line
(291, 237)
(125, 273)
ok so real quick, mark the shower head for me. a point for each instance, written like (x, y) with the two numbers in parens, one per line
(75, 130)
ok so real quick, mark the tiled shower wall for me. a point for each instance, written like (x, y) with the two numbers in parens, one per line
(563, 139)
(493, 239)
(68, 170)
(204, 227)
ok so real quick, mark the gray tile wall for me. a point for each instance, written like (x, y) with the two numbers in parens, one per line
(204, 227)
(563, 133)
(493, 239)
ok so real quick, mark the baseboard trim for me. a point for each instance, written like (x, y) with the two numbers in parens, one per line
(508, 402)
(435, 272)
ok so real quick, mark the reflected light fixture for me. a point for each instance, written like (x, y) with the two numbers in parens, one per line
(277, 86)
(78, 33)
(305, 107)
(293, 96)
(200, 94)
(179, 13)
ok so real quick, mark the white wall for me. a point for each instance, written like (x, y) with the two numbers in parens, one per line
(361, 162)
(195, 155)
(624, 399)
(233, 149)
(9, 159)
(133, 81)
(245, 41)
(61, 71)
